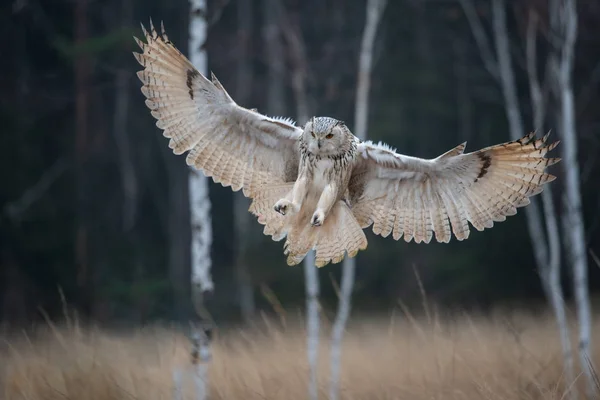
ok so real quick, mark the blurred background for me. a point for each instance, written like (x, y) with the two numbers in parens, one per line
(93, 203)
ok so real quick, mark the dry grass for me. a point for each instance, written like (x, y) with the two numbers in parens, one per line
(500, 358)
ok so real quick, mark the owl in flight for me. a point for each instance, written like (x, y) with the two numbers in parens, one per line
(319, 186)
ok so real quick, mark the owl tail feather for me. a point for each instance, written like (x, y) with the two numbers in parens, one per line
(339, 235)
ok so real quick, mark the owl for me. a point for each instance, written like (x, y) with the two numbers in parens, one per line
(319, 186)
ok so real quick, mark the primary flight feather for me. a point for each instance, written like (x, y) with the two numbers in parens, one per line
(319, 186)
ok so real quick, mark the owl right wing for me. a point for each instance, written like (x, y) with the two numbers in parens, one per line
(235, 146)
(415, 197)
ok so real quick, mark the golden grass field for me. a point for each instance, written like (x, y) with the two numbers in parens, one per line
(504, 357)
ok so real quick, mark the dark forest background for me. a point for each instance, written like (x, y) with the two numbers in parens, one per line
(93, 203)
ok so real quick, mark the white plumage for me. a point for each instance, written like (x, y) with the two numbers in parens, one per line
(319, 186)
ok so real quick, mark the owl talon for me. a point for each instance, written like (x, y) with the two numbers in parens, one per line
(284, 206)
(317, 218)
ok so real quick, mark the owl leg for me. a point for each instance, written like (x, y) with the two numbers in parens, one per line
(293, 201)
(326, 201)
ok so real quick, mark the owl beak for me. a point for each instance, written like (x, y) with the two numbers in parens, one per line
(319, 143)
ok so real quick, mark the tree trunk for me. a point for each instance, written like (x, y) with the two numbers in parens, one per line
(374, 12)
(515, 123)
(241, 216)
(563, 24)
(299, 61)
(198, 183)
(546, 249)
(550, 272)
(201, 226)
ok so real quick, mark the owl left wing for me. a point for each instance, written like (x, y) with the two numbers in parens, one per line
(415, 197)
(237, 147)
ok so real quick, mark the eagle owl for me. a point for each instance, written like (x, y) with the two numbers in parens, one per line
(319, 186)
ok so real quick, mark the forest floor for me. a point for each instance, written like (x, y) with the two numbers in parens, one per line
(515, 356)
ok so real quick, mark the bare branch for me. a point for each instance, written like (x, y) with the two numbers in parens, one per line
(361, 106)
(15, 210)
(534, 83)
(297, 50)
(507, 77)
(481, 38)
(374, 13)
(299, 60)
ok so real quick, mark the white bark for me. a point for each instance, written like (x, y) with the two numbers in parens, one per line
(515, 122)
(200, 215)
(550, 273)
(374, 12)
(201, 356)
(177, 385)
(563, 24)
(546, 247)
(502, 70)
(198, 183)
(311, 276)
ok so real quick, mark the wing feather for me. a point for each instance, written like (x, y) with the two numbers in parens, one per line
(235, 146)
(420, 199)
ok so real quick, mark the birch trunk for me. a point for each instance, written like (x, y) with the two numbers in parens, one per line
(198, 183)
(311, 274)
(515, 123)
(550, 273)
(501, 69)
(546, 248)
(299, 67)
(374, 12)
(563, 24)
(200, 214)
(240, 203)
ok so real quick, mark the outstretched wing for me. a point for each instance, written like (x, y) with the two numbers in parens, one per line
(235, 146)
(416, 197)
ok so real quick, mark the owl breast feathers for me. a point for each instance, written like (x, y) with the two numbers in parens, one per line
(272, 160)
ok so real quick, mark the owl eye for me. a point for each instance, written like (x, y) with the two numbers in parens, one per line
(329, 136)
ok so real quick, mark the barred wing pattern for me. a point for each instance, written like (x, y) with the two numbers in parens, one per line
(417, 198)
(235, 146)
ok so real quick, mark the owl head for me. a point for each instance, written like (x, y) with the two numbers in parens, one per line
(326, 136)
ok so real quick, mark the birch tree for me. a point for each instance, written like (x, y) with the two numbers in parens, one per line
(198, 183)
(374, 11)
(563, 35)
(546, 247)
(550, 274)
(200, 215)
(299, 61)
